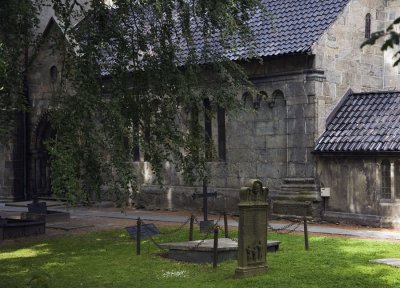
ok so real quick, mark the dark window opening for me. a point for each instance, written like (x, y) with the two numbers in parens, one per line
(368, 26)
(147, 141)
(397, 179)
(53, 73)
(195, 130)
(136, 146)
(386, 181)
(207, 129)
(221, 134)
(136, 153)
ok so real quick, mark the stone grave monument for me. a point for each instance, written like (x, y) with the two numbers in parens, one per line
(252, 244)
(38, 211)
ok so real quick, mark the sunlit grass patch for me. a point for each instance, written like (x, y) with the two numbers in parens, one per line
(23, 253)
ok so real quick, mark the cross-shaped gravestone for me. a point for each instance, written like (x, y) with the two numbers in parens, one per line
(206, 224)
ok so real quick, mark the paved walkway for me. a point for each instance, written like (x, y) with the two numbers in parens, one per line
(390, 234)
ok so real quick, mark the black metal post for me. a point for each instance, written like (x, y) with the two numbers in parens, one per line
(191, 228)
(205, 206)
(305, 233)
(226, 225)
(139, 224)
(215, 251)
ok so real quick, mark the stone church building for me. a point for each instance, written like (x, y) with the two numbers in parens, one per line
(323, 131)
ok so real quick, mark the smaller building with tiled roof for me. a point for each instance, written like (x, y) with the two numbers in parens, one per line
(366, 122)
(358, 159)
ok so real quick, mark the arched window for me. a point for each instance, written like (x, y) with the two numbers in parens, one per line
(208, 129)
(261, 96)
(368, 26)
(53, 73)
(221, 134)
(385, 180)
(247, 100)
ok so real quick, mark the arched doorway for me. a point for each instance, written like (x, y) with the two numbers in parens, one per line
(41, 175)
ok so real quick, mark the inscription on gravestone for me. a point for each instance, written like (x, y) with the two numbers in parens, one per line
(252, 244)
(147, 230)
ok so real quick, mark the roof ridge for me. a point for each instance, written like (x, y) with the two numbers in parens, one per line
(375, 92)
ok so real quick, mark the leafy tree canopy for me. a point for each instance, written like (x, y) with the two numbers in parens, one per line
(135, 74)
(17, 21)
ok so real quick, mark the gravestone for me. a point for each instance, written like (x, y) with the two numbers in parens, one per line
(37, 207)
(38, 211)
(15, 228)
(146, 230)
(252, 244)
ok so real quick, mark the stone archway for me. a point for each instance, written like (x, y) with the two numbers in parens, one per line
(41, 160)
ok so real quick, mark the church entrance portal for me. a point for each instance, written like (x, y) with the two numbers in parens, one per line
(42, 182)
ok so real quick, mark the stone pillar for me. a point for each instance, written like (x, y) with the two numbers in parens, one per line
(252, 247)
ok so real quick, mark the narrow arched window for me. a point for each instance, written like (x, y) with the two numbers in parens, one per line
(247, 100)
(53, 73)
(368, 26)
(385, 180)
(221, 134)
(207, 129)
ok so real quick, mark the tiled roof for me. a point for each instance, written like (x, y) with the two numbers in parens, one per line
(363, 122)
(288, 26)
(292, 27)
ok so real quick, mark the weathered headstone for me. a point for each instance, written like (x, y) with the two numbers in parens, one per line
(147, 230)
(38, 211)
(15, 228)
(252, 245)
(37, 207)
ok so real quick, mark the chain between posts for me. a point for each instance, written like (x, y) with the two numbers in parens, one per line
(195, 220)
(286, 229)
(142, 224)
(154, 241)
(177, 229)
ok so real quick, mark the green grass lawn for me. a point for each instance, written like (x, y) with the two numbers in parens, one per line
(107, 259)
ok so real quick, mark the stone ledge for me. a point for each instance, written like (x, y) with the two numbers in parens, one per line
(353, 218)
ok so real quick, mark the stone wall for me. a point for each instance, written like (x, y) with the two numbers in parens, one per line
(270, 139)
(355, 185)
(345, 65)
(391, 74)
(354, 181)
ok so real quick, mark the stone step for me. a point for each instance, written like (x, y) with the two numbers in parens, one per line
(299, 180)
(300, 186)
(298, 189)
(298, 197)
